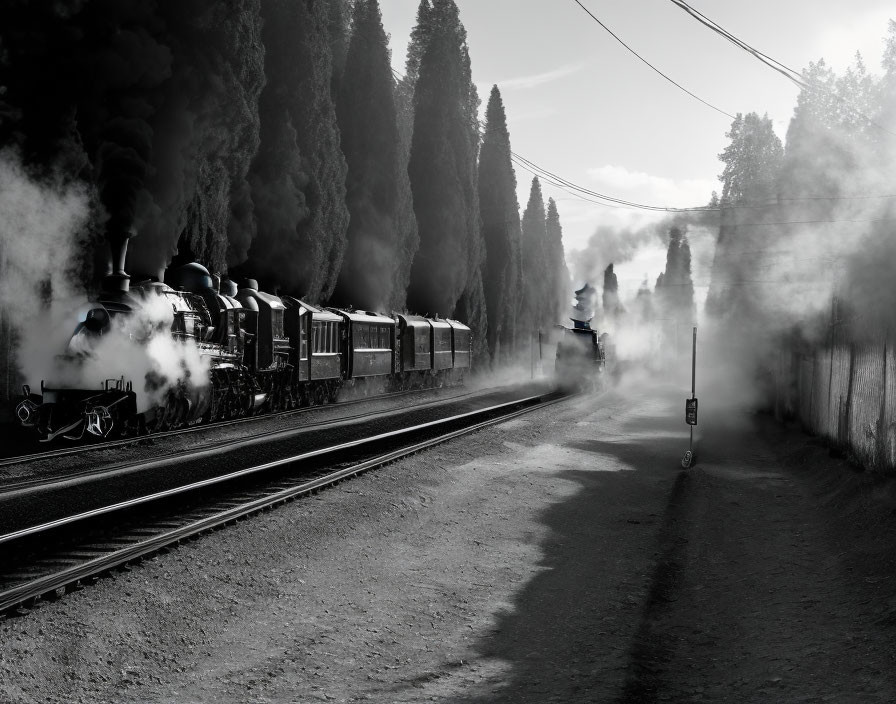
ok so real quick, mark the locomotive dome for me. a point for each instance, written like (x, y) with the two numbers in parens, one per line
(189, 277)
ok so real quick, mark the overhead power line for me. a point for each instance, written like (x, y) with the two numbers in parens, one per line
(642, 59)
(789, 73)
(591, 196)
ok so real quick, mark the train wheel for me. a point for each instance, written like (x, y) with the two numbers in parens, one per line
(333, 395)
(181, 410)
(320, 395)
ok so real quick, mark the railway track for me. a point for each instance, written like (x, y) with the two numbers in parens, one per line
(44, 561)
(124, 442)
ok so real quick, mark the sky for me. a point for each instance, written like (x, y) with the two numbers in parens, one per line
(581, 106)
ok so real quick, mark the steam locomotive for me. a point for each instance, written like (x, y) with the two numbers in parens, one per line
(582, 358)
(253, 352)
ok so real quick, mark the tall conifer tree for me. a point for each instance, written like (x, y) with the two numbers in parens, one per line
(676, 294)
(753, 160)
(375, 269)
(442, 171)
(534, 256)
(339, 22)
(298, 179)
(610, 298)
(560, 291)
(499, 208)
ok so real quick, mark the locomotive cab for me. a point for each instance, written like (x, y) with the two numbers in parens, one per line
(218, 312)
(267, 348)
(580, 358)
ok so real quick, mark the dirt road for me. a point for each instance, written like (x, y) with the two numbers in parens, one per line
(560, 557)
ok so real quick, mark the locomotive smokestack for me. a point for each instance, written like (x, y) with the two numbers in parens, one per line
(118, 280)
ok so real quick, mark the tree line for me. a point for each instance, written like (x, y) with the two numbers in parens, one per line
(811, 217)
(802, 224)
(271, 139)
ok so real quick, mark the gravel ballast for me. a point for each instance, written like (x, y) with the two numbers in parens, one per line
(561, 556)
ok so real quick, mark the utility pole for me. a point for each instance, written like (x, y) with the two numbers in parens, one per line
(690, 407)
(532, 355)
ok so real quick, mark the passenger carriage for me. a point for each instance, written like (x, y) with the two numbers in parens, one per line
(368, 349)
(314, 337)
(461, 350)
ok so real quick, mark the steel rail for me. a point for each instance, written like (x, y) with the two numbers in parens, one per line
(70, 577)
(61, 452)
(217, 447)
(197, 427)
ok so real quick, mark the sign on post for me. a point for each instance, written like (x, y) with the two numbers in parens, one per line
(690, 411)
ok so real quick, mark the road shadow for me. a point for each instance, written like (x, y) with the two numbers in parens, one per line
(581, 629)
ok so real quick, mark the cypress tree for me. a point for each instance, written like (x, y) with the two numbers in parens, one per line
(374, 271)
(644, 304)
(339, 16)
(298, 177)
(560, 289)
(610, 298)
(534, 256)
(420, 37)
(442, 170)
(676, 296)
(404, 88)
(499, 210)
(219, 63)
(752, 161)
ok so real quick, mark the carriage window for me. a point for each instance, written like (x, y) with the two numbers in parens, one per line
(315, 338)
(277, 322)
(334, 337)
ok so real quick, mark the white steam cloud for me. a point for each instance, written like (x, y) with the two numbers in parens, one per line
(41, 225)
(137, 348)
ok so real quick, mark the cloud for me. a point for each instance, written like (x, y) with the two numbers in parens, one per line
(537, 79)
(645, 188)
